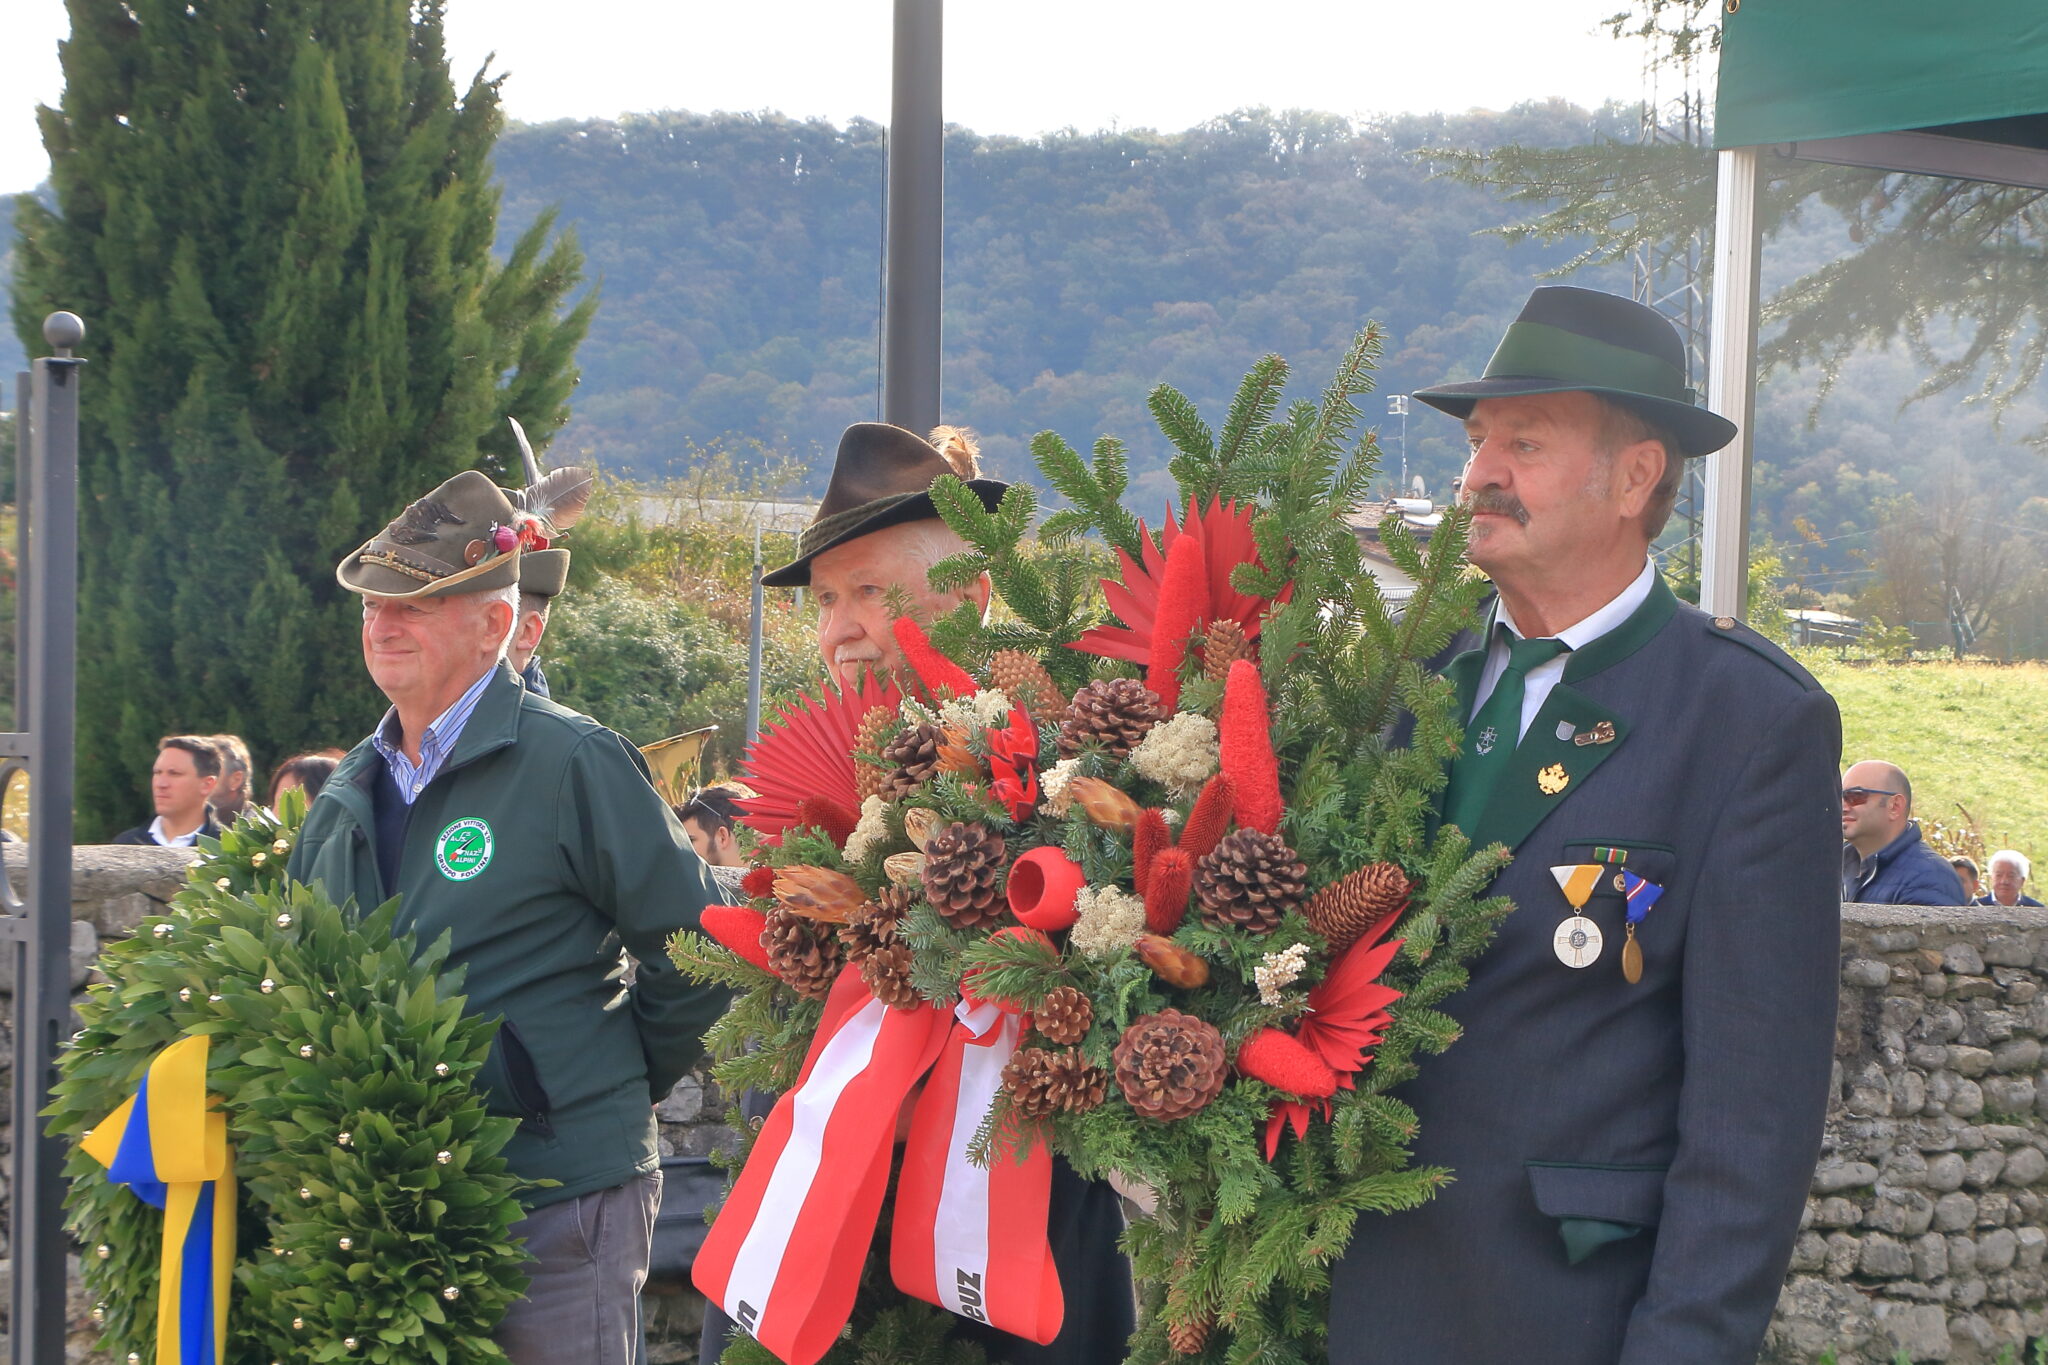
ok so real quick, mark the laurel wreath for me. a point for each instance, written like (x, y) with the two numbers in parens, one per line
(374, 1202)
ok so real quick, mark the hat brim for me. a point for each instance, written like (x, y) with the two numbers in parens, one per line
(877, 516)
(543, 573)
(1699, 431)
(381, 580)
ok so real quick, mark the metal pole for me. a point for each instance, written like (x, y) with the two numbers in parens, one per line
(1731, 384)
(24, 443)
(754, 647)
(916, 231)
(42, 998)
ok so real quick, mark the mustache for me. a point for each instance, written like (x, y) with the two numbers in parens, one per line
(1498, 502)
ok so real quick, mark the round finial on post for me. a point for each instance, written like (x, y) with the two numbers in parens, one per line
(64, 331)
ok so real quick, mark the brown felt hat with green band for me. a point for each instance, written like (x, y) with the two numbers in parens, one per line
(1570, 340)
(881, 477)
(444, 544)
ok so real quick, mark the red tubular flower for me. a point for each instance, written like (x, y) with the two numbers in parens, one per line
(1247, 749)
(940, 675)
(1013, 760)
(822, 812)
(1183, 602)
(1148, 838)
(759, 882)
(1346, 1015)
(1279, 1059)
(738, 928)
(1209, 821)
(1166, 900)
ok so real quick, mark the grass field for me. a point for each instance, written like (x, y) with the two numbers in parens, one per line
(1972, 737)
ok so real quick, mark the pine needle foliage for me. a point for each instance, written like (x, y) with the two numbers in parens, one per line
(319, 1023)
(276, 218)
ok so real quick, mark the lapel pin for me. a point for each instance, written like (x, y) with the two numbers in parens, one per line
(1565, 729)
(1603, 733)
(1553, 779)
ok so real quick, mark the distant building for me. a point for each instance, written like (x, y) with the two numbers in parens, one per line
(1419, 515)
(1811, 626)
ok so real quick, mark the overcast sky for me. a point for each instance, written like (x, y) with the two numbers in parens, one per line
(1011, 67)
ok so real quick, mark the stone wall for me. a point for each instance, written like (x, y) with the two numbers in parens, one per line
(1928, 1221)
(1928, 1218)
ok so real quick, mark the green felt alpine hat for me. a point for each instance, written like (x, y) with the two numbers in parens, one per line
(881, 477)
(1571, 340)
(544, 573)
(442, 545)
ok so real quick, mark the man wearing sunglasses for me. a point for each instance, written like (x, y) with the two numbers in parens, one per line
(1884, 859)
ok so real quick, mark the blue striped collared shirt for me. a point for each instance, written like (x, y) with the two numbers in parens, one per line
(436, 742)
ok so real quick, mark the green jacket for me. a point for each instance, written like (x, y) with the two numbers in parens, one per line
(542, 850)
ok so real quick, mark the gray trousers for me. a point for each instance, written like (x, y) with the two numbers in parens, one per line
(583, 1306)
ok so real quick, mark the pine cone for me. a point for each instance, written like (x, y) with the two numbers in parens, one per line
(962, 864)
(1065, 1016)
(915, 756)
(1345, 909)
(1112, 712)
(887, 972)
(874, 924)
(803, 952)
(1249, 881)
(1024, 681)
(1170, 1065)
(1043, 1083)
(876, 729)
(1189, 1338)
(1224, 645)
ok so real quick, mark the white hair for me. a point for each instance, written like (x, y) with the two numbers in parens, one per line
(509, 595)
(2016, 858)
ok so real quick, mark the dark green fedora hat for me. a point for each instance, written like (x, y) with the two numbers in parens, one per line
(881, 477)
(1571, 340)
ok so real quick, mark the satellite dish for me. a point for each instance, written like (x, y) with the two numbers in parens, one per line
(1416, 485)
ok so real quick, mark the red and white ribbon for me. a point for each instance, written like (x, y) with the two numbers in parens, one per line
(967, 1238)
(784, 1256)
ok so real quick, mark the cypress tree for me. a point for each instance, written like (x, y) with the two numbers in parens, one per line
(277, 218)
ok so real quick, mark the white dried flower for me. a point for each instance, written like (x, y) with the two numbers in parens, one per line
(873, 829)
(1277, 971)
(1180, 754)
(1110, 921)
(991, 707)
(1052, 786)
(915, 712)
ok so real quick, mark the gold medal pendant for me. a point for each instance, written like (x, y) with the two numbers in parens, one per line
(1632, 958)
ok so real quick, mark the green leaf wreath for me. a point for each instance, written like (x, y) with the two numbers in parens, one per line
(1301, 659)
(375, 1206)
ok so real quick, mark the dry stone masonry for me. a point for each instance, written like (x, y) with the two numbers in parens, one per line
(1924, 1230)
(1927, 1224)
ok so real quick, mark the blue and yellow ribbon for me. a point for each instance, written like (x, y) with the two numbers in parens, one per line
(175, 1157)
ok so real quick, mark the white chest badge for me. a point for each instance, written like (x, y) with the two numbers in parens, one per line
(463, 850)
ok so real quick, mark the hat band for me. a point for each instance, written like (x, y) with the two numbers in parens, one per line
(1538, 350)
(822, 532)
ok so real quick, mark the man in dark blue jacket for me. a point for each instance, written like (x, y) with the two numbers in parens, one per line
(1884, 859)
(1635, 1104)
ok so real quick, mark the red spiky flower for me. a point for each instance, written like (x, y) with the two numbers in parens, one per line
(1245, 737)
(806, 754)
(941, 677)
(1225, 533)
(1346, 1015)
(1013, 759)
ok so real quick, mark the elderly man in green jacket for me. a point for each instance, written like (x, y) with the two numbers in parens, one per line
(529, 834)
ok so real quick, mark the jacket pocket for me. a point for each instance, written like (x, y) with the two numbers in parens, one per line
(512, 1081)
(1595, 1204)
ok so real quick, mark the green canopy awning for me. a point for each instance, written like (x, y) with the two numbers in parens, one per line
(1802, 70)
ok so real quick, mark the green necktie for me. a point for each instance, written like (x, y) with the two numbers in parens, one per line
(1493, 734)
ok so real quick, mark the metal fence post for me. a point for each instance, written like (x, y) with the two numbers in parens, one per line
(41, 927)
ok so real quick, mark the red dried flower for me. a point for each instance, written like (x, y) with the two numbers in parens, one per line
(759, 882)
(822, 812)
(1148, 838)
(1209, 821)
(1346, 1014)
(940, 675)
(807, 752)
(1166, 899)
(1183, 598)
(1248, 760)
(1013, 759)
(1225, 531)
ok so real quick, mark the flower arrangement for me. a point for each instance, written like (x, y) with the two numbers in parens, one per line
(1167, 866)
